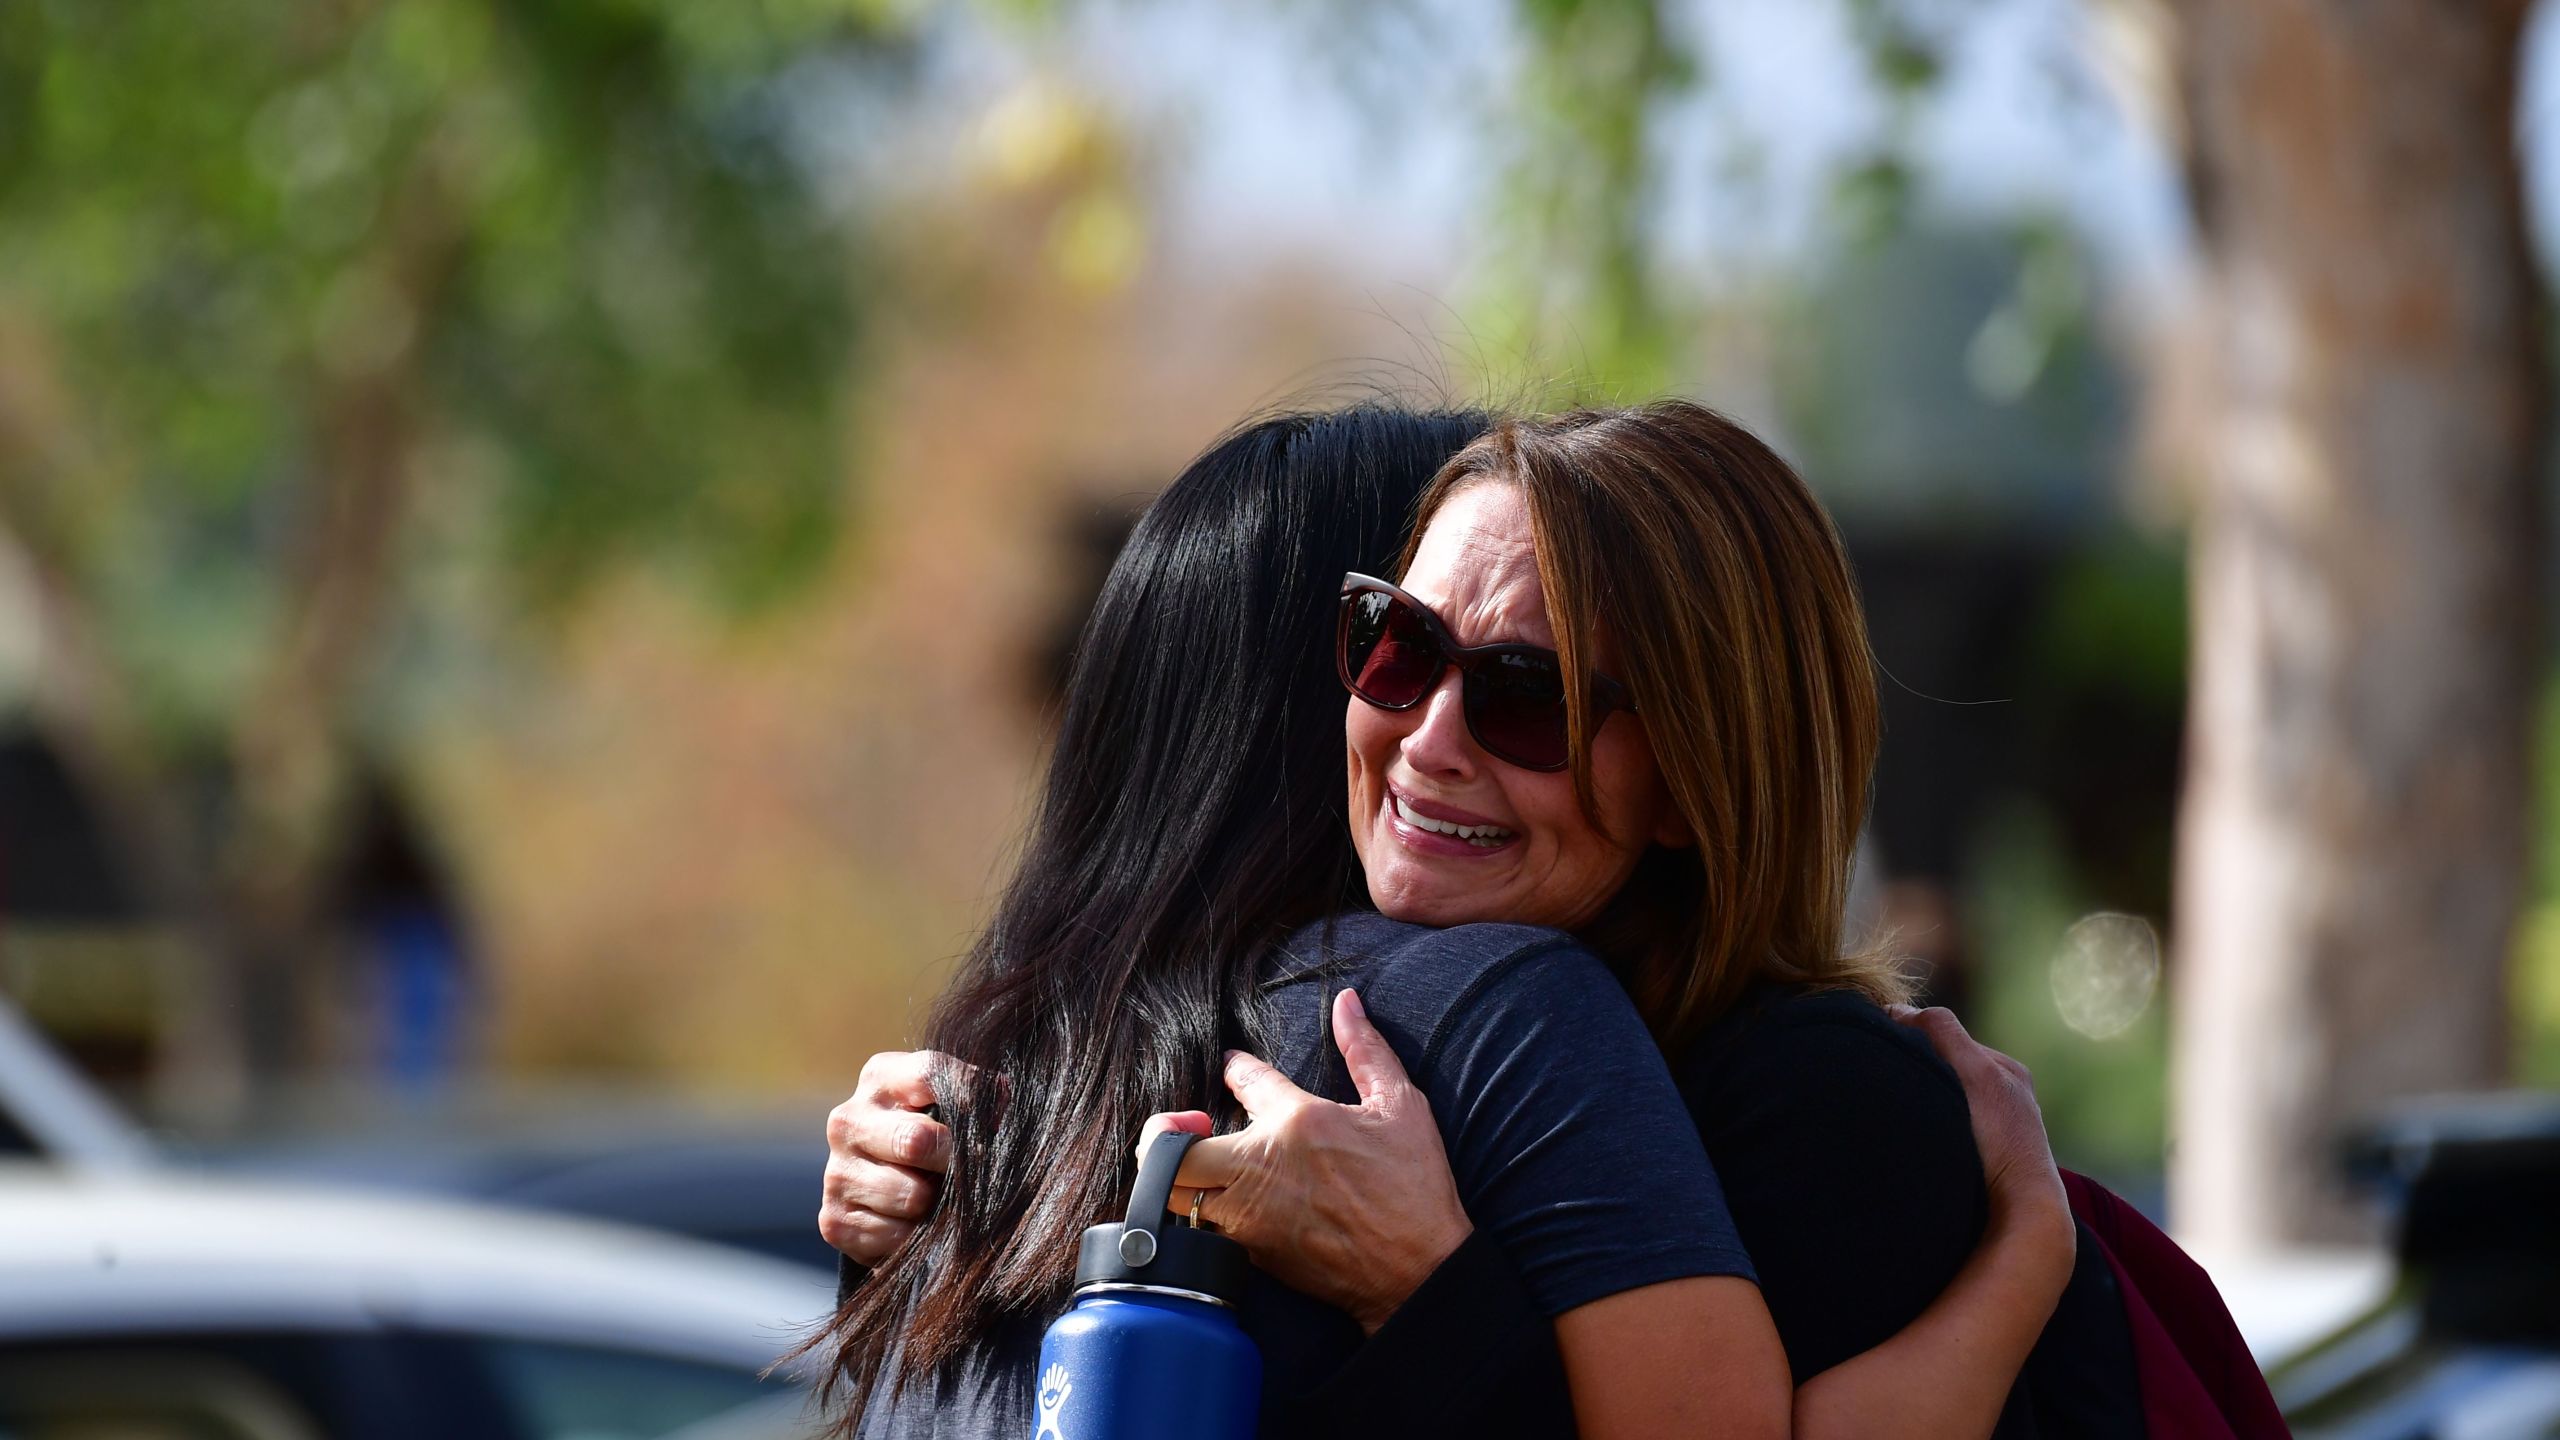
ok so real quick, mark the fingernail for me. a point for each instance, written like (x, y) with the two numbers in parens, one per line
(1351, 999)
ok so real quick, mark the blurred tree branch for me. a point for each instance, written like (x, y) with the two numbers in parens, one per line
(270, 267)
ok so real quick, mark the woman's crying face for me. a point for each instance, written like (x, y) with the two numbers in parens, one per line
(1446, 833)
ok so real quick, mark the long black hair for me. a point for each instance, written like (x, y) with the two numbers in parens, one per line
(1193, 815)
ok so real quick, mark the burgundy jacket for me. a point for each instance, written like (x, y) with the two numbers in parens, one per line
(2197, 1378)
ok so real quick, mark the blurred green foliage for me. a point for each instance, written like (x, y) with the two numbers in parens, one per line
(1580, 279)
(1956, 377)
(1904, 45)
(2537, 952)
(2118, 619)
(2090, 831)
(566, 257)
(2105, 1100)
(1578, 195)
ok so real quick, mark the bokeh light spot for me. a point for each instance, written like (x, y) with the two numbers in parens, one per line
(2105, 973)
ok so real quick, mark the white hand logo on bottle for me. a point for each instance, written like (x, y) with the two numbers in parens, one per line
(1054, 1390)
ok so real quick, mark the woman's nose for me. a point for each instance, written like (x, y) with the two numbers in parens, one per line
(1439, 743)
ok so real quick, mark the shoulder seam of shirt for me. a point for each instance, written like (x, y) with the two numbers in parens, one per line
(1529, 950)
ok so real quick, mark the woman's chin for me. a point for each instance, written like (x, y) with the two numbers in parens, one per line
(1432, 916)
(1427, 900)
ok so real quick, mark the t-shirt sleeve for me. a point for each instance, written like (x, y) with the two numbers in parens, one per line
(1849, 1164)
(1567, 1138)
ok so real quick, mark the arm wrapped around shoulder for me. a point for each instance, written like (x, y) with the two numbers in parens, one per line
(1848, 1159)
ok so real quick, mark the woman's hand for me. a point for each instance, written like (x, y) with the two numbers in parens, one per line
(1949, 1372)
(1352, 1204)
(2008, 1126)
(885, 1160)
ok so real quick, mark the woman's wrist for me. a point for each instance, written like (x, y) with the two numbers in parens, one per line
(2033, 1234)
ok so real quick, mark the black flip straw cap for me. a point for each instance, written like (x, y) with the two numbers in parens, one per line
(1151, 1248)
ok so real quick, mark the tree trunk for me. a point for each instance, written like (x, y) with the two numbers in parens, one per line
(2367, 587)
(291, 766)
(250, 897)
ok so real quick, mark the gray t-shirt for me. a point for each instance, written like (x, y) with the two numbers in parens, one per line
(1568, 1141)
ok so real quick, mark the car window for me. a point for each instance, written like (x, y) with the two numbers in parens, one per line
(144, 1395)
(794, 1416)
(249, 1385)
(567, 1392)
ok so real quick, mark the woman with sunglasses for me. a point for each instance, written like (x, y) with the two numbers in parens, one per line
(1667, 645)
(1172, 902)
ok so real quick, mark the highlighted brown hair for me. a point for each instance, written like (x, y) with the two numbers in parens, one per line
(1728, 601)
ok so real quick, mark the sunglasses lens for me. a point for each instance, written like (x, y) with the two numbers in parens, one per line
(1514, 697)
(1388, 656)
(1515, 706)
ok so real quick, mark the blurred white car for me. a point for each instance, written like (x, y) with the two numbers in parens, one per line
(143, 1302)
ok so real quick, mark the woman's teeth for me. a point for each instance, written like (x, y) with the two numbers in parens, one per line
(1484, 835)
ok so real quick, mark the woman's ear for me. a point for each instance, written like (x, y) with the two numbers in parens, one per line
(1671, 828)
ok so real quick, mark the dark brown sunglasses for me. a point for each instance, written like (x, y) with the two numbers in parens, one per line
(1392, 651)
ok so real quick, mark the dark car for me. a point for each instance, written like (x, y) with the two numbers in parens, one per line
(2466, 1345)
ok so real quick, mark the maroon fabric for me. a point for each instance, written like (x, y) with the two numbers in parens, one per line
(2198, 1380)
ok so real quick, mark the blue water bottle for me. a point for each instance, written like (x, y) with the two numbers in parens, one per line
(1150, 1350)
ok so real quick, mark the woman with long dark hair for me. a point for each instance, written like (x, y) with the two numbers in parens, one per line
(1190, 836)
(1191, 816)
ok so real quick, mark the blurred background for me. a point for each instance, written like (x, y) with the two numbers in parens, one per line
(473, 478)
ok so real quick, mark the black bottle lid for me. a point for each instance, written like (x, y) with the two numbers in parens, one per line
(1151, 1249)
